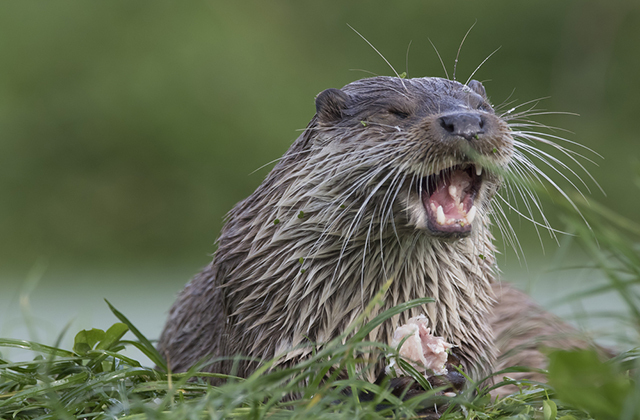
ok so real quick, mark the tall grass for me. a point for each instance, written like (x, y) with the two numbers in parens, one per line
(95, 379)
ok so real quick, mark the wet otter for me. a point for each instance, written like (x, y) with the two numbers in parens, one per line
(392, 178)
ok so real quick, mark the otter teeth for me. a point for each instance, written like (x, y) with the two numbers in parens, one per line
(471, 214)
(441, 219)
(452, 190)
(440, 216)
(478, 169)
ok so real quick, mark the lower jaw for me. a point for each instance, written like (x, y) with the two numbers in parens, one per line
(455, 232)
(442, 226)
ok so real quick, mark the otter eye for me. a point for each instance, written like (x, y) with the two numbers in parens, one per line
(400, 114)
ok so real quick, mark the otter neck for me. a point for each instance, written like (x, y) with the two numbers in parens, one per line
(457, 275)
(322, 284)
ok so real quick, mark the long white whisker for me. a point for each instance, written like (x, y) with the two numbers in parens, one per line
(537, 136)
(542, 156)
(508, 113)
(380, 54)
(508, 233)
(524, 173)
(524, 216)
(455, 63)
(446, 73)
(478, 68)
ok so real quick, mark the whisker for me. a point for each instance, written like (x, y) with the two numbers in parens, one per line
(365, 71)
(481, 64)
(543, 156)
(506, 102)
(455, 63)
(380, 54)
(536, 112)
(446, 73)
(529, 102)
(406, 69)
(524, 216)
(507, 231)
(533, 135)
(288, 155)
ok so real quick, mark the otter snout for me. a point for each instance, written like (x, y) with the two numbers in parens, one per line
(463, 124)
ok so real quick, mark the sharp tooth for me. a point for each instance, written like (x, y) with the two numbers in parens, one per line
(433, 207)
(478, 169)
(452, 191)
(471, 214)
(440, 216)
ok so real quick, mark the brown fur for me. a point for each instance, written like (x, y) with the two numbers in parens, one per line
(337, 217)
(524, 332)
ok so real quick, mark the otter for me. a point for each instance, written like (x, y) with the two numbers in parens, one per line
(393, 178)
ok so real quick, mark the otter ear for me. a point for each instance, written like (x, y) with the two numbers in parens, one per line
(330, 103)
(478, 88)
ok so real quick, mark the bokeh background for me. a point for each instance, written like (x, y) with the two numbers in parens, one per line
(128, 129)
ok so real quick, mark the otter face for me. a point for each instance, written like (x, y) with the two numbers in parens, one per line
(444, 147)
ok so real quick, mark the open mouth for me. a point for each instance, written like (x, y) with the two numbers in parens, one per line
(448, 198)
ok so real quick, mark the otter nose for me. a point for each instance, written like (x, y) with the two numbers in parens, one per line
(462, 124)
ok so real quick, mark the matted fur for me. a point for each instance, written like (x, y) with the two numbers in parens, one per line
(337, 217)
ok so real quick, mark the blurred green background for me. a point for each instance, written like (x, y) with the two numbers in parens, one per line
(128, 129)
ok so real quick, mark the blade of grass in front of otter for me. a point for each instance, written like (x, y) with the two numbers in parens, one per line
(40, 348)
(369, 326)
(145, 345)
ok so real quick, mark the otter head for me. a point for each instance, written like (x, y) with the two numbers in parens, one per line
(435, 146)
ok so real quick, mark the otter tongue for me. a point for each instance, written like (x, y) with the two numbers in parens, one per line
(450, 194)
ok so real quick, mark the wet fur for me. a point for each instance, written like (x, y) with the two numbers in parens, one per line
(337, 217)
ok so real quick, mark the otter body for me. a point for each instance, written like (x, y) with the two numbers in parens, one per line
(392, 179)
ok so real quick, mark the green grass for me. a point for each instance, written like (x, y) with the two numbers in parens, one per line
(95, 379)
